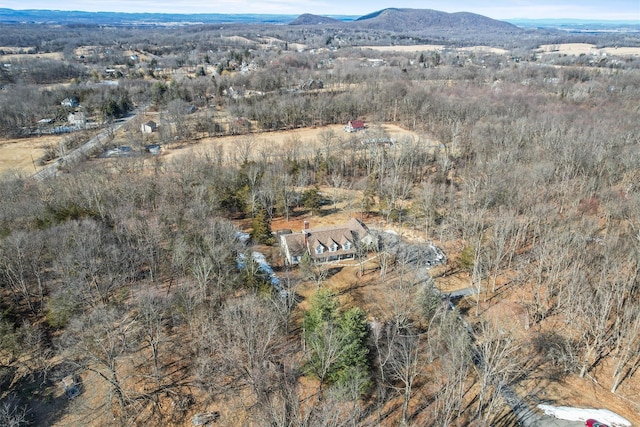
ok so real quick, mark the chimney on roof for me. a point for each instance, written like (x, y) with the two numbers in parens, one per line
(305, 232)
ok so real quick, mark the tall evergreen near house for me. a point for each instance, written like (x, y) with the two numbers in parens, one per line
(337, 342)
(261, 225)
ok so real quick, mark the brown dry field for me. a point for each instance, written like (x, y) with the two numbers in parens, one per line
(434, 47)
(586, 48)
(22, 155)
(306, 140)
(51, 55)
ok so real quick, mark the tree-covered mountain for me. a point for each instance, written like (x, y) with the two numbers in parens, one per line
(310, 19)
(428, 20)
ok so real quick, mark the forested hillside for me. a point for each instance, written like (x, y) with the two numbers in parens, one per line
(129, 290)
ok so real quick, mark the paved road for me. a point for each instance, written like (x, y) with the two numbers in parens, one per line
(85, 149)
(549, 421)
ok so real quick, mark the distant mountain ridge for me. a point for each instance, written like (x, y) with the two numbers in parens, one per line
(412, 24)
(407, 25)
(425, 24)
(429, 21)
(309, 19)
(122, 18)
(390, 19)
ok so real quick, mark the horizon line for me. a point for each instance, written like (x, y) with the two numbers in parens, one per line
(629, 21)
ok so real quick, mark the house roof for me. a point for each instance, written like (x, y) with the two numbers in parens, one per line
(353, 224)
(357, 124)
(349, 232)
(70, 102)
(295, 243)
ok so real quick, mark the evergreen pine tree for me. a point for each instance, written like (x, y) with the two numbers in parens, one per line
(261, 225)
(353, 362)
(338, 342)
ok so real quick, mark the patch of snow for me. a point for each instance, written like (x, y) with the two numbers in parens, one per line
(243, 237)
(439, 254)
(391, 232)
(580, 414)
(264, 266)
(261, 260)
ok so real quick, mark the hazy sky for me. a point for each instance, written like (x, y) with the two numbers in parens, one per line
(498, 9)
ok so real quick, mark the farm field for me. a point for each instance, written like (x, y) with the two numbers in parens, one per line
(588, 49)
(436, 47)
(21, 155)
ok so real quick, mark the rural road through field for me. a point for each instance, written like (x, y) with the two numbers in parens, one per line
(75, 155)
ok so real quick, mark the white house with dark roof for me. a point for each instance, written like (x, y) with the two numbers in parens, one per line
(327, 243)
(149, 127)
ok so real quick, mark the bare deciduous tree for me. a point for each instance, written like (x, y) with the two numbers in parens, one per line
(455, 362)
(401, 359)
(21, 267)
(12, 413)
(100, 343)
(496, 366)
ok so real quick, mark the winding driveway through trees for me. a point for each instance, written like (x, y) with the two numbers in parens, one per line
(526, 416)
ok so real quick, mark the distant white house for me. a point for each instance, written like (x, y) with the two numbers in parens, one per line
(149, 127)
(327, 243)
(77, 119)
(70, 102)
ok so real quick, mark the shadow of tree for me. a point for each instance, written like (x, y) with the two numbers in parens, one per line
(43, 396)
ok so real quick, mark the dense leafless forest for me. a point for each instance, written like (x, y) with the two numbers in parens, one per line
(128, 291)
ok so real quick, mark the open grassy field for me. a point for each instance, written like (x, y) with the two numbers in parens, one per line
(588, 49)
(435, 47)
(17, 56)
(305, 141)
(22, 155)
